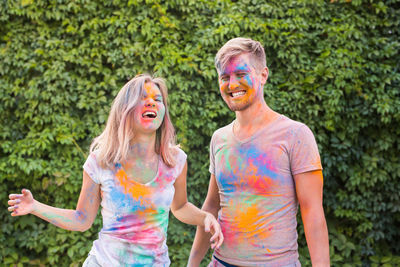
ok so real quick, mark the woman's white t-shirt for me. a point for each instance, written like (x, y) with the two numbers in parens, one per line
(135, 215)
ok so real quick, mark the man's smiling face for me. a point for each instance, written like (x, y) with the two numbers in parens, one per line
(239, 83)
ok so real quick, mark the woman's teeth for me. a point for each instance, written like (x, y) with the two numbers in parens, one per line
(149, 114)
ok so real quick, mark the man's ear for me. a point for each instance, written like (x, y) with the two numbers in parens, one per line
(264, 75)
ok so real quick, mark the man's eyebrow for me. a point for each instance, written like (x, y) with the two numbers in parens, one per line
(238, 68)
(235, 71)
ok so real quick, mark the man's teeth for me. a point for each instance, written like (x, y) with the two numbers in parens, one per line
(238, 93)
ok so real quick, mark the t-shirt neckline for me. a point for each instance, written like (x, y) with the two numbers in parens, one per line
(257, 133)
(149, 182)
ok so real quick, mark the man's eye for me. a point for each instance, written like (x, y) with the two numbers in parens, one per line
(158, 100)
(224, 78)
(241, 75)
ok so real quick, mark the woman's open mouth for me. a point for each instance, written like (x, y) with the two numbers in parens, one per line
(149, 115)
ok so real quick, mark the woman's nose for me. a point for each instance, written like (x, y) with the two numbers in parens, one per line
(150, 103)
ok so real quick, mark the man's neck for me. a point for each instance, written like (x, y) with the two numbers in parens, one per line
(253, 118)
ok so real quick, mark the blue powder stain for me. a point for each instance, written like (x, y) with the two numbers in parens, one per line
(125, 201)
(251, 152)
(243, 154)
(227, 182)
(248, 80)
(242, 67)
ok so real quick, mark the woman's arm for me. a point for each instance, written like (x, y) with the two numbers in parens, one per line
(188, 213)
(80, 219)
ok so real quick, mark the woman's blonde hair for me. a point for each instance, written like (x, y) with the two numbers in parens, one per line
(113, 144)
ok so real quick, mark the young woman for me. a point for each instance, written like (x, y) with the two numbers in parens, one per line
(137, 173)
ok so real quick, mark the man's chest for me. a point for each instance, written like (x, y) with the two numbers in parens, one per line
(253, 167)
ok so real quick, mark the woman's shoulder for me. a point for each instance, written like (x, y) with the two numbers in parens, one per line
(178, 153)
(95, 159)
(180, 159)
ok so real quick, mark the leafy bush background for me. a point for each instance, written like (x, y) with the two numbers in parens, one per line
(334, 65)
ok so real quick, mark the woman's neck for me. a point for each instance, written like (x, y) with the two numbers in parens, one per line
(143, 146)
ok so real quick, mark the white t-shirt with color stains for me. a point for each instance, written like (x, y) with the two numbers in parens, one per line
(135, 215)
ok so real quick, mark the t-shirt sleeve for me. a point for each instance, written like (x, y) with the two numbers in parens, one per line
(92, 168)
(212, 156)
(304, 155)
(181, 161)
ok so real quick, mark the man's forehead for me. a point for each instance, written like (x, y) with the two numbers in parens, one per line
(238, 63)
(238, 66)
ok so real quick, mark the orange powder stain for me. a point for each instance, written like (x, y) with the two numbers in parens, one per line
(248, 219)
(260, 184)
(249, 222)
(251, 168)
(148, 212)
(320, 176)
(136, 190)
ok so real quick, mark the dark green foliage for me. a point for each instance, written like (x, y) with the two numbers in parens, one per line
(333, 65)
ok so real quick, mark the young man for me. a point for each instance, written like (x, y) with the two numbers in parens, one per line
(262, 166)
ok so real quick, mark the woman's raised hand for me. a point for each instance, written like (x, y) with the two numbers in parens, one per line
(21, 204)
(211, 225)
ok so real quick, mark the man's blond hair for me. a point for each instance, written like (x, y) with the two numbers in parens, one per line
(237, 46)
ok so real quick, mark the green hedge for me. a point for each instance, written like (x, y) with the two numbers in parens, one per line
(334, 65)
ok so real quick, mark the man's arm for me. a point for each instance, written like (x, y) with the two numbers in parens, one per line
(201, 241)
(186, 212)
(309, 193)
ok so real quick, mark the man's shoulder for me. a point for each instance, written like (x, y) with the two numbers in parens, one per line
(223, 131)
(290, 124)
(221, 135)
(294, 130)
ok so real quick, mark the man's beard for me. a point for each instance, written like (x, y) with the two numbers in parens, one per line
(238, 107)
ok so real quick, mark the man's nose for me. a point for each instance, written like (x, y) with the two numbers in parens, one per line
(233, 83)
